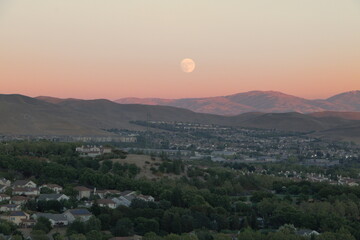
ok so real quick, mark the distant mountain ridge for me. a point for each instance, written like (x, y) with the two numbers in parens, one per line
(257, 101)
(22, 115)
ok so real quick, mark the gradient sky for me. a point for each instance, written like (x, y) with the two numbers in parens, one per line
(114, 48)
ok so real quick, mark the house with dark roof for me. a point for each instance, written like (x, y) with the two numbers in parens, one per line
(124, 200)
(79, 213)
(27, 223)
(105, 193)
(52, 197)
(54, 187)
(106, 203)
(4, 197)
(57, 220)
(9, 207)
(27, 191)
(15, 217)
(24, 184)
(19, 200)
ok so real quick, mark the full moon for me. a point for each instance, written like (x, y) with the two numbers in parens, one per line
(187, 65)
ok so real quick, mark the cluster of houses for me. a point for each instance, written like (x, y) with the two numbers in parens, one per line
(318, 177)
(92, 151)
(14, 196)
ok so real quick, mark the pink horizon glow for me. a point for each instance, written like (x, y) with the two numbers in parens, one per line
(306, 48)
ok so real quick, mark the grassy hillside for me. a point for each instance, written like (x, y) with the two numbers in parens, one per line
(29, 116)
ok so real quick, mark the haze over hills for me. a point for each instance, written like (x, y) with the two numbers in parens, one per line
(21, 115)
(257, 101)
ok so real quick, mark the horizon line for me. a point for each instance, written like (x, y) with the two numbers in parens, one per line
(115, 99)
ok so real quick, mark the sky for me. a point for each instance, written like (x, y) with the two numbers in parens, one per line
(114, 49)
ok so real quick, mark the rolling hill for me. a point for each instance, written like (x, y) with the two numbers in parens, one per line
(257, 101)
(28, 116)
(21, 115)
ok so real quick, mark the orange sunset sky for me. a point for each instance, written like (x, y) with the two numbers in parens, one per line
(113, 49)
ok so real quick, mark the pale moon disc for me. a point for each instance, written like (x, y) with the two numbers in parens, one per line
(187, 65)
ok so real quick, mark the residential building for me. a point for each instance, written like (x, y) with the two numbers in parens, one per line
(83, 192)
(20, 200)
(106, 203)
(54, 187)
(24, 184)
(57, 220)
(124, 200)
(4, 197)
(27, 191)
(27, 223)
(52, 197)
(92, 151)
(146, 198)
(81, 214)
(106, 192)
(15, 217)
(9, 208)
(5, 182)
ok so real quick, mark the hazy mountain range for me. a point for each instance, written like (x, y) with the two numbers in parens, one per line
(257, 101)
(21, 115)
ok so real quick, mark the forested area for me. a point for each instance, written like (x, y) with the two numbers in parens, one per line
(201, 202)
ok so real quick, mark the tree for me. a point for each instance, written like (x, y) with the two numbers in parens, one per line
(287, 229)
(58, 236)
(76, 227)
(172, 237)
(39, 235)
(94, 235)
(16, 237)
(124, 227)
(143, 225)
(151, 236)
(93, 224)
(249, 234)
(77, 237)
(221, 236)
(43, 224)
(6, 227)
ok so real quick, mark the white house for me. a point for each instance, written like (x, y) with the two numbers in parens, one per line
(4, 197)
(146, 198)
(83, 192)
(106, 203)
(5, 182)
(54, 187)
(24, 184)
(27, 191)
